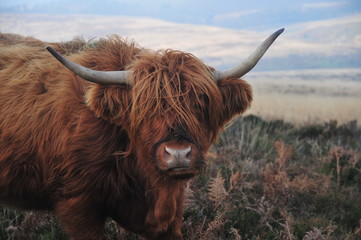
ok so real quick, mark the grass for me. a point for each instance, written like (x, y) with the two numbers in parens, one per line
(309, 108)
(263, 180)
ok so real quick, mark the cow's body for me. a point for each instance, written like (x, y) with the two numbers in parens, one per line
(87, 151)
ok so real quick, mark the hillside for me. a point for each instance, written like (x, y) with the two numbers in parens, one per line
(322, 44)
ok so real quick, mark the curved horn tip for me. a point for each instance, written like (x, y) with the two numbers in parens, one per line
(50, 49)
(280, 31)
(275, 35)
(250, 62)
(55, 54)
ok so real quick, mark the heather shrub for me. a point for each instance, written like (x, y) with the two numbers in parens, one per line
(263, 180)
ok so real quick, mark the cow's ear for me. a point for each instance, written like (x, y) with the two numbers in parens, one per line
(109, 102)
(237, 97)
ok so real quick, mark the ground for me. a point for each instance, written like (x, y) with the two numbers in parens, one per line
(263, 180)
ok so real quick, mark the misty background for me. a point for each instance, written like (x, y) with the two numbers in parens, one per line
(319, 33)
(319, 54)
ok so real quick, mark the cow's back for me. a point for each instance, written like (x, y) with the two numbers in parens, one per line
(27, 124)
(47, 131)
(40, 106)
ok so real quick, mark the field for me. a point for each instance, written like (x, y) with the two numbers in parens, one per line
(307, 96)
(294, 173)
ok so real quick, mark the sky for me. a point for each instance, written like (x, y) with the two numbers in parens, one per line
(235, 14)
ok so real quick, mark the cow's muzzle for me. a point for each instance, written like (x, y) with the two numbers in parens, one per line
(179, 159)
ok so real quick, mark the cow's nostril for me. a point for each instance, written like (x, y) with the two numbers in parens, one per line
(166, 152)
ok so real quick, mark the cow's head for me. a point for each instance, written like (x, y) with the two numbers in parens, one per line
(171, 104)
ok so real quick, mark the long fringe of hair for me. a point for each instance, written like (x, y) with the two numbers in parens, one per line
(177, 88)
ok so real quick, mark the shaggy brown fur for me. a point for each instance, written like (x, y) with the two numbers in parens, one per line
(86, 151)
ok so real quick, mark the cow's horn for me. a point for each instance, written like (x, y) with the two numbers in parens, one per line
(100, 77)
(250, 62)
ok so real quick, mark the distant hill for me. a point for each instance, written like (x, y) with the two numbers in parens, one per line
(321, 44)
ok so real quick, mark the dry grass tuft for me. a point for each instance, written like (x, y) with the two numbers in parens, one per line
(214, 227)
(32, 222)
(217, 192)
(314, 234)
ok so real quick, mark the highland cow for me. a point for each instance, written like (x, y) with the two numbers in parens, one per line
(117, 136)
